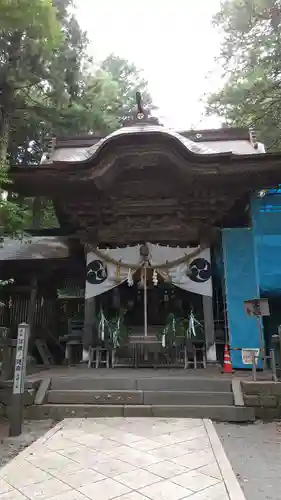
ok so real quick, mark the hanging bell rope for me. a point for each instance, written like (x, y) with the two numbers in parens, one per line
(167, 265)
(118, 271)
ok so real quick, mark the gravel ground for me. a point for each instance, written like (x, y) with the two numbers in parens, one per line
(255, 455)
(10, 447)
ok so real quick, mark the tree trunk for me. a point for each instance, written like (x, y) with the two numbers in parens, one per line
(5, 122)
(36, 212)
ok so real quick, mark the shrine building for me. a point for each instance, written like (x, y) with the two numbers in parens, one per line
(152, 224)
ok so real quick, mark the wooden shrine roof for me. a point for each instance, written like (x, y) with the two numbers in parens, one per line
(34, 248)
(222, 135)
(146, 146)
(147, 183)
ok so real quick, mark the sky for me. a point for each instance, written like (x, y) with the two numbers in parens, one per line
(172, 41)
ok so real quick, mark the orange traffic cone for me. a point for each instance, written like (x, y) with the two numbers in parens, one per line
(227, 365)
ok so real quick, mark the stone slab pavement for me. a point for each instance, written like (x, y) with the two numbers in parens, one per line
(123, 459)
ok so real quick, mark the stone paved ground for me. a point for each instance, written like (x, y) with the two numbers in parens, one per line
(124, 459)
(255, 455)
(10, 447)
(258, 472)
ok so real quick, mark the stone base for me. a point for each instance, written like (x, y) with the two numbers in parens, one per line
(264, 397)
(217, 413)
(212, 354)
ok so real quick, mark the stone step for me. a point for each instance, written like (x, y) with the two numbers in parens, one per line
(187, 398)
(99, 397)
(138, 397)
(117, 383)
(184, 384)
(218, 413)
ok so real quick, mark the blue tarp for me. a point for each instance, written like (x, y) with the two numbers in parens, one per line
(241, 284)
(266, 221)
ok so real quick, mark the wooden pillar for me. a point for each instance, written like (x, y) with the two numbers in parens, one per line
(90, 324)
(36, 212)
(32, 302)
(89, 330)
(7, 358)
(209, 329)
(36, 220)
(32, 311)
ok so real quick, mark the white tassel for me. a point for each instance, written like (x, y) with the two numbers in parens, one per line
(130, 280)
(174, 325)
(191, 325)
(102, 325)
(155, 278)
(163, 341)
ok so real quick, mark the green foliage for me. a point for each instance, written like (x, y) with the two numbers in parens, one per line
(49, 218)
(13, 217)
(173, 331)
(128, 81)
(94, 110)
(112, 331)
(27, 17)
(251, 59)
(29, 33)
(48, 87)
(45, 214)
(119, 331)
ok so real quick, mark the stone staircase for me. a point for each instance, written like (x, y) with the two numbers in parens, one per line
(148, 396)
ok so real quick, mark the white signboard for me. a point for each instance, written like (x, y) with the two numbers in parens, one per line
(257, 307)
(21, 357)
(247, 355)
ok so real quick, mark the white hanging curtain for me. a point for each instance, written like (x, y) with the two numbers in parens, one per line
(102, 275)
(199, 279)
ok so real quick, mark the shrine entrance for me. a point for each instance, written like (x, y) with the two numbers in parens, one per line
(162, 299)
(156, 322)
(150, 298)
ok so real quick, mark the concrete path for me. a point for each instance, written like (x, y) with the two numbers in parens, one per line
(124, 459)
(255, 455)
